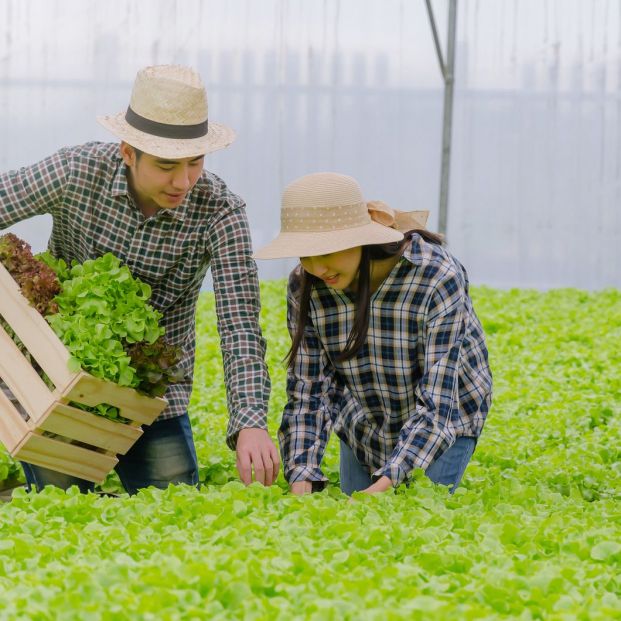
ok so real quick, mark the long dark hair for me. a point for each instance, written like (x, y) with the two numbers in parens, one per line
(359, 330)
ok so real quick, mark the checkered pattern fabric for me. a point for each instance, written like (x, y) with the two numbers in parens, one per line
(421, 380)
(85, 190)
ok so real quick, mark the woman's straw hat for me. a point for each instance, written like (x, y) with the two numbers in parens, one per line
(326, 212)
(167, 115)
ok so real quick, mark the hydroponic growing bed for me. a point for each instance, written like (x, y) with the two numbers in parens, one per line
(534, 532)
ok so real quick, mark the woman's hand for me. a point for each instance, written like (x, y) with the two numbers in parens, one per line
(300, 488)
(381, 485)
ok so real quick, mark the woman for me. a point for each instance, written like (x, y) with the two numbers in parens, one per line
(386, 348)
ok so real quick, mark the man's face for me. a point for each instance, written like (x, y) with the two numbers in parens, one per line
(158, 183)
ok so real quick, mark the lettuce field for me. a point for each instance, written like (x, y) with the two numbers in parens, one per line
(534, 532)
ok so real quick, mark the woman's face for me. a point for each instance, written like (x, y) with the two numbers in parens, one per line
(337, 269)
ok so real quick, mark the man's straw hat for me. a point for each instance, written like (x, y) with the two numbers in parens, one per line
(326, 212)
(167, 115)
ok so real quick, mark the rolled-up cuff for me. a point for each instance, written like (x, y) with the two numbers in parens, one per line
(250, 419)
(394, 472)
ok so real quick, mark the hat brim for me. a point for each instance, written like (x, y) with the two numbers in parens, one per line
(218, 137)
(307, 244)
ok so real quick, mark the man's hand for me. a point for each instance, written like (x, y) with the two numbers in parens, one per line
(256, 451)
(300, 488)
(381, 485)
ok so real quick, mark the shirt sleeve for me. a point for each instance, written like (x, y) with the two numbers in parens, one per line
(32, 190)
(306, 421)
(179, 324)
(429, 430)
(236, 289)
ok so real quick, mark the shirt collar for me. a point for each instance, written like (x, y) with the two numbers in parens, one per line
(178, 213)
(412, 250)
(120, 187)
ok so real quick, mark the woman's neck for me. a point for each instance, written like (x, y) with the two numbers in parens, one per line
(380, 270)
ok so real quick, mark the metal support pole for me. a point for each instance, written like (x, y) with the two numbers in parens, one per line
(436, 38)
(448, 74)
(449, 80)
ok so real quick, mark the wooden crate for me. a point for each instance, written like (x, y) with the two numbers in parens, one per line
(48, 410)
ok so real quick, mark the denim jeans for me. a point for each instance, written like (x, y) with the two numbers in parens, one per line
(448, 469)
(163, 454)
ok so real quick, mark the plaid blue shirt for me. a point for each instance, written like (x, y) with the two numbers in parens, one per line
(85, 190)
(421, 380)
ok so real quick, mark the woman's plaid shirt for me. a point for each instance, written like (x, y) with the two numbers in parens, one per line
(421, 380)
(85, 190)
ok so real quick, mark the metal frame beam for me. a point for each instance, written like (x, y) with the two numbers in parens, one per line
(448, 74)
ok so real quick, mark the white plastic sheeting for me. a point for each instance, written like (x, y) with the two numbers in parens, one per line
(354, 86)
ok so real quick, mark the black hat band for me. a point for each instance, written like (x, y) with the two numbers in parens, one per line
(165, 130)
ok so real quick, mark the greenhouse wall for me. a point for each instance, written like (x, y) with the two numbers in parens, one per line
(354, 86)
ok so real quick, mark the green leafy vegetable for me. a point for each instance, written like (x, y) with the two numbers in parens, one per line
(111, 331)
(101, 314)
(533, 532)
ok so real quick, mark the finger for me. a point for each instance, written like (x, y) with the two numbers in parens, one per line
(275, 462)
(268, 469)
(272, 464)
(259, 468)
(244, 468)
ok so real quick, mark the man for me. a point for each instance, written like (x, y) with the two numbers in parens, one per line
(151, 204)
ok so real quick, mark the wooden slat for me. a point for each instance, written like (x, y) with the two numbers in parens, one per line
(23, 381)
(34, 332)
(90, 390)
(13, 428)
(67, 458)
(89, 428)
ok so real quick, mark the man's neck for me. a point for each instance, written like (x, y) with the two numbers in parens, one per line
(147, 208)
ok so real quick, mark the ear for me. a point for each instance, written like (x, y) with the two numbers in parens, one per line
(128, 154)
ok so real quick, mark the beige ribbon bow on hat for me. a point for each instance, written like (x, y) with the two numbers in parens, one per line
(402, 221)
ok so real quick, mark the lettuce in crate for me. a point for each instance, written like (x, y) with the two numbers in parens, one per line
(109, 328)
(37, 281)
(101, 314)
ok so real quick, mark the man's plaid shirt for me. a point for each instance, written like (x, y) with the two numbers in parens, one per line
(421, 380)
(85, 190)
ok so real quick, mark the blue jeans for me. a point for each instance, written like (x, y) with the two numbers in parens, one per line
(163, 454)
(448, 469)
